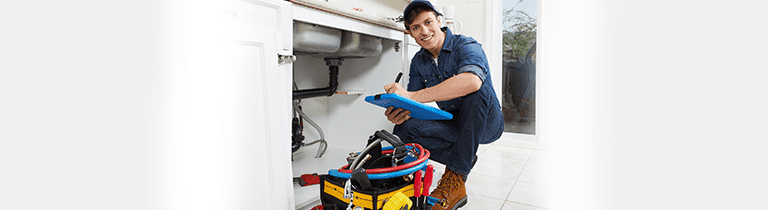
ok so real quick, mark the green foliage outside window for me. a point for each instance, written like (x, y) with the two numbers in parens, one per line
(520, 35)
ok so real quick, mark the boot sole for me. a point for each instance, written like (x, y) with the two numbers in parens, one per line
(461, 203)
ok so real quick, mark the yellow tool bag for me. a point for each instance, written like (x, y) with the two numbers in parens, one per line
(375, 176)
(332, 194)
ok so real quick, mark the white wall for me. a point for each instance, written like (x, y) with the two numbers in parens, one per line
(654, 104)
(471, 14)
(81, 104)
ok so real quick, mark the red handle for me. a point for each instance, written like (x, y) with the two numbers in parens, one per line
(428, 179)
(309, 179)
(417, 184)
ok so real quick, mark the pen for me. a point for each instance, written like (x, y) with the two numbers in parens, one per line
(397, 80)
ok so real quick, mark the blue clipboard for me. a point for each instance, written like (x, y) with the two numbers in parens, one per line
(418, 110)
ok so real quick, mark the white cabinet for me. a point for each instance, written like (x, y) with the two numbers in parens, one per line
(254, 171)
(231, 125)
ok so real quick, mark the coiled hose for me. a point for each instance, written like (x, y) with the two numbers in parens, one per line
(390, 172)
(323, 143)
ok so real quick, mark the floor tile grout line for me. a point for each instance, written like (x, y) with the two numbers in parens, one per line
(502, 201)
(518, 180)
(525, 204)
(518, 177)
(524, 147)
(534, 149)
(513, 185)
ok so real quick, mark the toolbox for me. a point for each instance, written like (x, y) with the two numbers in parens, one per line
(380, 178)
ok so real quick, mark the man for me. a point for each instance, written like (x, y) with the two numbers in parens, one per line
(451, 70)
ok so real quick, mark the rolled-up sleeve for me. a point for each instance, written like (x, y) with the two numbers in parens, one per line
(473, 69)
(473, 59)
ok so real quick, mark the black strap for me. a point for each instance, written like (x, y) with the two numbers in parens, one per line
(400, 150)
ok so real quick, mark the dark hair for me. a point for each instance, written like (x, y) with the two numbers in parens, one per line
(408, 19)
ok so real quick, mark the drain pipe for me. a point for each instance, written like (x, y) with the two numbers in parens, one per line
(333, 65)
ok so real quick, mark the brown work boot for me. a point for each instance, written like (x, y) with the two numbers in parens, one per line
(451, 188)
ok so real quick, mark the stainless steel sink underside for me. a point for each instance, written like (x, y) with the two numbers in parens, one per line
(325, 42)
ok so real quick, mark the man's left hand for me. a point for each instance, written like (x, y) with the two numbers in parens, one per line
(397, 116)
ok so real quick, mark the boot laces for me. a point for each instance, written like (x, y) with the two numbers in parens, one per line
(448, 181)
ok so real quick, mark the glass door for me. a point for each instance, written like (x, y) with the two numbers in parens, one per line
(519, 66)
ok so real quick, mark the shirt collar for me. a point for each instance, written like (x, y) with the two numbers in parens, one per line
(447, 43)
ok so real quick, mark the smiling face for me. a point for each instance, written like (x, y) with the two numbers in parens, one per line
(425, 29)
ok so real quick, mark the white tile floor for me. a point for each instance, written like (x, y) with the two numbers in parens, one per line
(509, 174)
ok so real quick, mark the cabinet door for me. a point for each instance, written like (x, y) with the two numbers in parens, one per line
(257, 165)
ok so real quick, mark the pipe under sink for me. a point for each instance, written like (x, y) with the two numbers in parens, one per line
(334, 45)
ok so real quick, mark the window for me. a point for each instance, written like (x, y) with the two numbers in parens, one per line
(519, 66)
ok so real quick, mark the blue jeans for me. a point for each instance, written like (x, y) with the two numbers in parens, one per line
(454, 142)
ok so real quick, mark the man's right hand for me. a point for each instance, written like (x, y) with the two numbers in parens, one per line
(397, 116)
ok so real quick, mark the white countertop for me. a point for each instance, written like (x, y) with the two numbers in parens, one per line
(334, 16)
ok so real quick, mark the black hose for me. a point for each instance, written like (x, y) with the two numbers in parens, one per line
(400, 150)
(323, 143)
(297, 136)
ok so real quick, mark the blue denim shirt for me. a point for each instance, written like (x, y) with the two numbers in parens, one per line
(459, 54)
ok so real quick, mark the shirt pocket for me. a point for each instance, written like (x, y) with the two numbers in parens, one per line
(430, 80)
